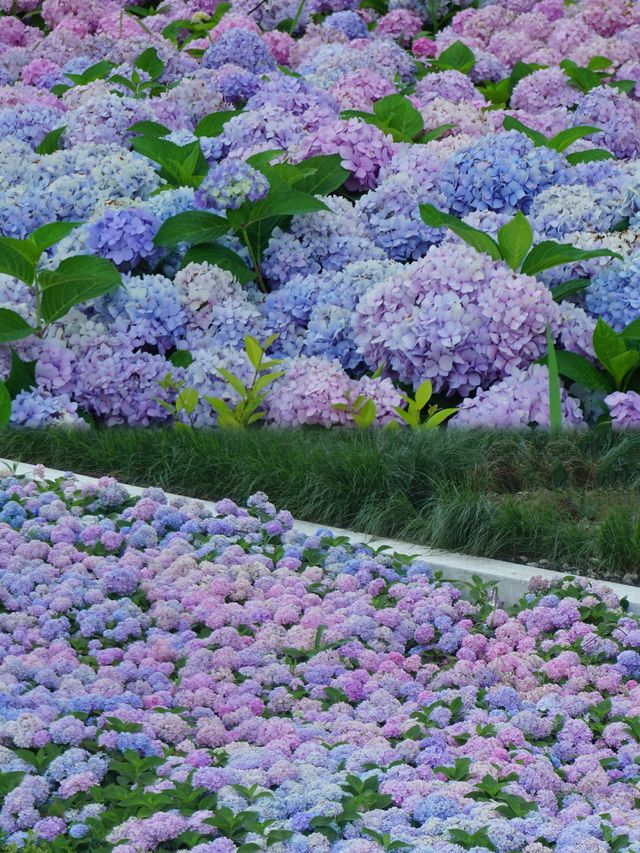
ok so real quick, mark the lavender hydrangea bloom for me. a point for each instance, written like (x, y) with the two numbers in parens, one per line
(36, 409)
(614, 292)
(519, 399)
(125, 236)
(617, 115)
(624, 408)
(229, 184)
(30, 123)
(502, 172)
(348, 22)
(240, 47)
(455, 317)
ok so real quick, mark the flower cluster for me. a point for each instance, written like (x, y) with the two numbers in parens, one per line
(205, 677)
(361, 285)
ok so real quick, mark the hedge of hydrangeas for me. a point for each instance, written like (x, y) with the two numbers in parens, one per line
(314, 132)
(175, 677)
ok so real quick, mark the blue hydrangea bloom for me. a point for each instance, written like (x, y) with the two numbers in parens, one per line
(125, 236)
(614, 292)
(240, 47)
(229, 184)
(348, 22)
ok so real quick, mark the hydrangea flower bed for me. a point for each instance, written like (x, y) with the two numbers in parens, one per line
(180, 678)
(259, 169)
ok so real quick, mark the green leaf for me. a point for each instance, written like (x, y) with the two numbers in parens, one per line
(434, 133)
(555, 402)
(48, 235)
(219, 256)
(515, 239)
(457, 57)
(398, 115)
(590, 156)
(95, 72)
(423, 394)
(254, 350)
(480, 241)
(583, 78)
(607, 344)
(5, 406)
(18, 259)
(565, 138)
(51, 142)
(551, 254)
(213, 124)
(621, 365)
(511, 123)
(12, 326)
(327, 175)
(193, 226)
(599, 63)
(569, 288)
(150, 63)
(579, 369)
(284, 201)
(22, 375)
(76, 280)
(234, 381)
(150, 128)
(438, 417)
(181, 358)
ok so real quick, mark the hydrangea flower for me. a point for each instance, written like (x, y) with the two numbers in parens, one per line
(124, 236)
(229, 184)
(241, 47)
(613, 293)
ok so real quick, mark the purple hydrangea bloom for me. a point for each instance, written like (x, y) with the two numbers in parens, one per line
(624, 408)
(502, 172)
(348, 22)
(35, 409)
(614, 292)
(124, 235)
(229, 184)
(240, 47)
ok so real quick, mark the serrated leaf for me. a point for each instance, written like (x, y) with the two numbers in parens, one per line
(150, 63)
(551, 254)
(75, 280)
(18, 259)
(328, 175)
(150, 128)
(193, 226)
(51, 141)
(48, 235)
(13, 327)
(480, 241)
(399, 116)
(515, 239)
(284, 201)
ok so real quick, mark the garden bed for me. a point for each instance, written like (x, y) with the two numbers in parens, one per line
(210, 679)
(568, 503)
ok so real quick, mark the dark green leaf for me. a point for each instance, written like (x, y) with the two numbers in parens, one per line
(457, 57)
(621, 365)
(181, 358)
(51, 142)
(515, 239)
(76, 279)
(220, 256)
(213, 124)
(284, 201)
(561, 141)
(192, 227)
(398, 115)
(48, 235)
(581, 370)
(555, 403)
(480, 241)
(326, 176)
(551, 254)
(590, 156)
(22, 375)
(18, 259)
(150, 63)
(5, 406)
(511, 123)
(569, 288)
(149, 128)
(95, 72)
(12, 326)
(434, 133)
(607, 344)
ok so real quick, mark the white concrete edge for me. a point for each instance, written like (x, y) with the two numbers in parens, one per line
(512, 578)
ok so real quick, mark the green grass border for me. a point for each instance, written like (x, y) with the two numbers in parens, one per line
(568, 502)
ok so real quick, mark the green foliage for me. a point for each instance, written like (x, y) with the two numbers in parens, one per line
(143, 83)
(396, 116)
(499, 94)
(5, 406)
(514, 245)
(598, 71)
(184, 30)
(457, 57)
(385, 841)
(562, 140)
(98, 71)
(213, 123)
(470, 840)
(179, 165)
(555, 402)
(412, 414)
(362, 410)
(51, 142)
(248, 410)
(458, 773)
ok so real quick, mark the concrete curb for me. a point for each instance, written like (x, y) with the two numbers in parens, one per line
(513, 578)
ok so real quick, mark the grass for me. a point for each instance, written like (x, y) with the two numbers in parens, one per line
(568, 501)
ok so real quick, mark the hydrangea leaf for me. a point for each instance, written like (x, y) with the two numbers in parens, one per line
(480, 241)
(18, 259)
(551, 254)
(515, 239)
(192, 227)
(22, 375)
(51, 142)
(13, 327)
(76, 280)
(213, 124)
(5, 406)
(220, 256)
(48, 235)
(561, 141)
